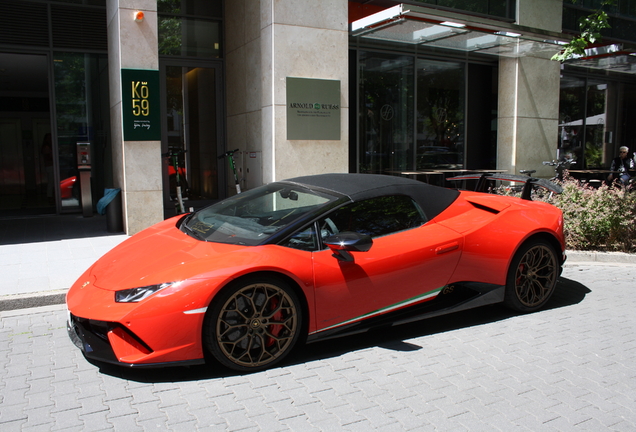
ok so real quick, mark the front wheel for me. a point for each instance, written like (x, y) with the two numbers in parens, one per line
(532, 277)
(253, 324)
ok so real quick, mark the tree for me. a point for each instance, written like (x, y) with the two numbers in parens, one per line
(590, 26)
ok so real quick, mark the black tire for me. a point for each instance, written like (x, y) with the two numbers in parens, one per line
(532, 277)
(253, 324)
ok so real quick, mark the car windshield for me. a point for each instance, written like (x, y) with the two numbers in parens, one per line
(251, 217)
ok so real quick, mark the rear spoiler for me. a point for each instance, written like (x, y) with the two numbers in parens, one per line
(529, 182)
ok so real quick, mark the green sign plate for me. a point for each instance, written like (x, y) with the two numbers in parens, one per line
(313, 109)
(140, 102)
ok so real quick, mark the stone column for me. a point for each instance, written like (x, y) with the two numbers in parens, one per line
(529, 98)
(268, 41)
(136, 164)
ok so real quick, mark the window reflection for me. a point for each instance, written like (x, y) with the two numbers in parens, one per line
(82, 110)
(440, 114)
(374, 217)
(189, 37)
(586, 124)
(407, 124)
(386, 112)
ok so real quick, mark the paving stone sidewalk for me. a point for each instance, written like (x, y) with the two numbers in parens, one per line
(571, 367)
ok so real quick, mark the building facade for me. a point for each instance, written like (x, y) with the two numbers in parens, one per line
(95, 93)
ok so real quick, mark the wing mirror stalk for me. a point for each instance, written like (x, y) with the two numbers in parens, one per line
(345, 242)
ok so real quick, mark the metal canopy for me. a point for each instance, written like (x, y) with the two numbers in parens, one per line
(614, 58)
(442, 29)
(622, 63)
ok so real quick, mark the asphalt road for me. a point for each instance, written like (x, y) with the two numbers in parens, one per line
(569, 367)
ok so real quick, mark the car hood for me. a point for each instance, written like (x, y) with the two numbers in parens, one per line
(163, 253)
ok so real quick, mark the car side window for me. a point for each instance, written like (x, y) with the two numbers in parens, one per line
(375, 217)
(304, 239)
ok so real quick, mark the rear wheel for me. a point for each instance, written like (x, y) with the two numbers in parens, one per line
(254, 324)
(532, 277)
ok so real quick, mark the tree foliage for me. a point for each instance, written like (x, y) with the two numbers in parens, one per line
(590, 27)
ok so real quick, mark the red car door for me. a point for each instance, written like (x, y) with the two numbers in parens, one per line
(400, 269)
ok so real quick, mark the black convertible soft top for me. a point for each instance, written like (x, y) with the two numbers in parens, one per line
(432, 199)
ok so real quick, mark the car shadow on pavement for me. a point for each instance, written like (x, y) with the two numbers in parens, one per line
(568, 292)
(164, 374)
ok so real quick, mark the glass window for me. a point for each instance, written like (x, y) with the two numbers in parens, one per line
(386, 113)
(86, 2)
(586, 122)
(191, 123)
(189, 37)
(627, 109)
(410, 123)
(82, 109)
(440, 114)
(498, 8)
(571, 114)
(595, 123)
(250, 218)
(305, 239)
(207, 8)
(375, 217)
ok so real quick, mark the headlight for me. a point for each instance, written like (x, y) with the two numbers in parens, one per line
(135, 295)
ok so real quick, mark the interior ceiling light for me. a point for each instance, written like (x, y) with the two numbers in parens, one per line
(509, 34)
(482, 42)
(434, 32)
(453, 24)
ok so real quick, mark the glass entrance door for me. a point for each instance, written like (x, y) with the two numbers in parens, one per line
(27, 180)
(192, 113)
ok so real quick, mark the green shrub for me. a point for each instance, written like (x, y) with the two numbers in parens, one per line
(597, 219)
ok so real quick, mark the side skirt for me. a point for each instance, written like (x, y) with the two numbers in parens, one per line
(453, 298)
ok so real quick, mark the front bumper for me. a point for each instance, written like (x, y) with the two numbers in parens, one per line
(91, 337)
(99, 340)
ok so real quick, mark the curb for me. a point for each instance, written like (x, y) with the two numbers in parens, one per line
(46, 298)
(31, 300)
(599, 257)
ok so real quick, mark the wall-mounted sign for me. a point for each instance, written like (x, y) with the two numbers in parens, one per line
(313, 109)
(140, 105)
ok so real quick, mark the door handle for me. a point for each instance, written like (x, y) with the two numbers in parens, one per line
(447, 248)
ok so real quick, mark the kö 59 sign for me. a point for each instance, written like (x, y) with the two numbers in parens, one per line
(140, 99)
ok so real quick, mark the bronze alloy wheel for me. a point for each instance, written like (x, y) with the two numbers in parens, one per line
(532, 277)
(255, 326)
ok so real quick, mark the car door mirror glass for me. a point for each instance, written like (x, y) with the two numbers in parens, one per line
(343, 243)
(349, 241)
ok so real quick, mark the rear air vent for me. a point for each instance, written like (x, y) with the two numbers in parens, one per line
(483, 207)
(491, 203)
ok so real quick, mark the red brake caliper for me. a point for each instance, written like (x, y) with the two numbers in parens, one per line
(275, 329)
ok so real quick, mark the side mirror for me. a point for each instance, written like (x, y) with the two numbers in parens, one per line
(343, 243)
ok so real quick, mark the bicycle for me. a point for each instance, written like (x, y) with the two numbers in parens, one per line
(561, 166)
(230, 156)
(538, 191)
(177, 177)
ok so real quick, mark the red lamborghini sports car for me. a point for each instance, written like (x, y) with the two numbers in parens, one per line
(244, 281)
